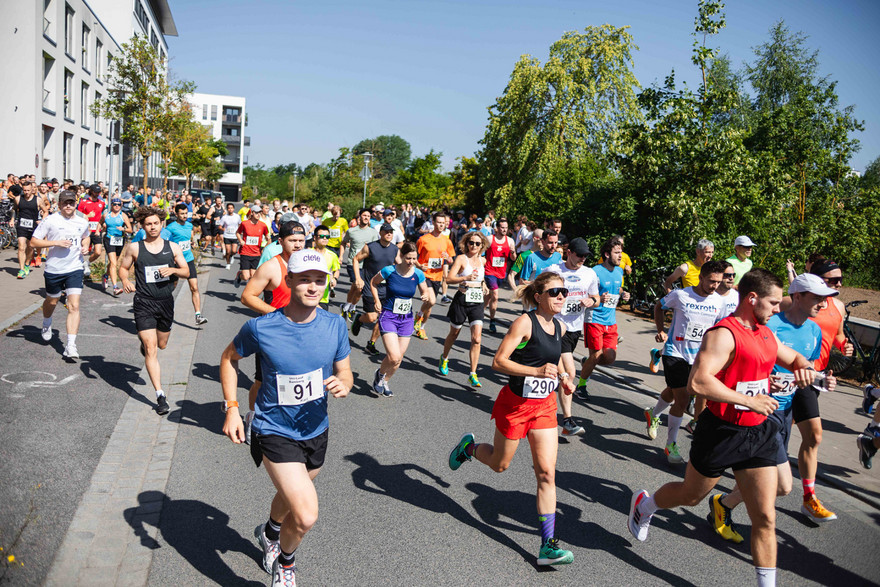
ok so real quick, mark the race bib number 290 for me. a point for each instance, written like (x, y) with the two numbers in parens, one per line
(538, 387)
(295, 390)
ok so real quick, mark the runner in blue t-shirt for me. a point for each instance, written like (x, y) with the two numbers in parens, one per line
(809, 294)
(540, 260)
(291, 426)
(395, 314)
(181, 233)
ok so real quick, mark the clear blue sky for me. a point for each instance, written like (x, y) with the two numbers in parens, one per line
(325, 74)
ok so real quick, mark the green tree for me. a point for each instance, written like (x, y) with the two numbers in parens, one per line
(391, 154)
(422, 182)
(871, 176)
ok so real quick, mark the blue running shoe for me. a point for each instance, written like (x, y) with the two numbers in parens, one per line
(458, 454)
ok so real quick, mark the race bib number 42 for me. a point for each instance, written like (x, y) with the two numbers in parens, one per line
(751, 389)
(295, 390)
(402, 306)
(538, 387)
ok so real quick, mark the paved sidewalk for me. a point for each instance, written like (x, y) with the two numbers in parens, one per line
(842, 417)
(21, 297)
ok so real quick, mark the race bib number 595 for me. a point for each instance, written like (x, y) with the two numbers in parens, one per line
(295, 390)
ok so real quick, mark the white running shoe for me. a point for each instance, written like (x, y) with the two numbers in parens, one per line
(46, 333)
(638, 523)
(70, 352)
(271, 548)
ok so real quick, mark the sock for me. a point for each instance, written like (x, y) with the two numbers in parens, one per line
(875, 392)
(648, 507)
(47, 322)
(198, 313)
(71, 339)
(766, 576)
(474, 373)
(674, 423)
(548, 526)
(582, 381)
(272, 529)
(660, 407)
(809, 487)
(721, 500)
(285, 559)
(159, 393)
(470, 449)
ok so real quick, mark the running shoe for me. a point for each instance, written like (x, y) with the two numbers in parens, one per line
(162, 407)
(445, 299)
(356, 324)
(117, 291)
(105, 280)
(70, 352)
(690, 408)
(722, 521)
(228, 266)
(869, 399)
(46, 333)
(444, 366)
(458, 455)
(551, 554)
(201, 319)
(377, 388)
(638, 523)
(248, 424)
(21, 274)
(581, 392)
(283, 576)
(672, 454)
(237, 282)
(866, 450)
(271, 548)
(654, 363)
(691, 426)
(492, 327)
(371, 348)
(813, 509)
(386, 391)
(419, 332)
(570, 428)
(619, 339)
(653, 423)
(472, 379)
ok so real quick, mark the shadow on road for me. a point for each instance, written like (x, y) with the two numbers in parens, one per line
(124, 323)
(207, 416)
(32, 335)
(115, 374)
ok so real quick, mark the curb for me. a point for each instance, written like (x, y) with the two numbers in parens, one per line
(9, 322)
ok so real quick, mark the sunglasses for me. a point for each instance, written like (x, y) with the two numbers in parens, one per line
(729, 275)
(476, 243)
(556, 291)
(323, 236)
(833, 280)
(68, 203)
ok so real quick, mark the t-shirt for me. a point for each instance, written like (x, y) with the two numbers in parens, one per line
(805, 339)
(55, 228)
(299, 411)
(731, 301)
(692, 316)
(610, 282)
(337, 232)
(739, 267)
(141, 235)
(243, 212)
(357, 237)
(520, 261)
(252, 234)
(498, 256)
(431, 249)
(537, 262)
(230, 223)
(182, 235)
(92, 211)
(333, 265)
(581, 284)
(269, 251)
(399, 287)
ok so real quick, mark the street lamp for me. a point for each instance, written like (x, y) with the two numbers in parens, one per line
(366, 174)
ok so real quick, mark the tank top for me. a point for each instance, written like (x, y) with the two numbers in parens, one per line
(379, 257)
(148, 281)
(748, 373)
(692, 277)
(497, 257)
(114, 223)
(468, 269)
(540, 349)
(828, 319)
(28, 212)
(281, 294)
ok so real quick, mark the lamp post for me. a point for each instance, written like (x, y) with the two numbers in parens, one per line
(366, 174)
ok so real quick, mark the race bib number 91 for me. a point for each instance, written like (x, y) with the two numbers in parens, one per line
(751, 389)
(538, 387)
(295, 390)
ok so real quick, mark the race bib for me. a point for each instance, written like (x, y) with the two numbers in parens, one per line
(612, 301)
(185, 245)
(334, 233)
(189, 215)
(751, 389)
(402, 306)
(435, 263)
(498, 261)
(93, 226)
(26, 222)
(227, 234)
(216, 221)
(474, 295)
(76, 243)
(786, 380)
(295, 390)
(115, 241)
(572, 307)
(152, 275)
(252, 240)
(538, 387)
(694, 331)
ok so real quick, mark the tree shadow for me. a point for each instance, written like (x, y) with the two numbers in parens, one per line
(207, 416)
(456, 392)
(244, 311)
(197, 531)
(223, 295)
(115, 374)
(124, 323)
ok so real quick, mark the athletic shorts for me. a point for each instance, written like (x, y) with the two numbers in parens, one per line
(515, 416)
(805, 404)
(248, 262)
(676, 371)
(459, 311)
(115, 249)
(493, 282)
(96, 238)
(230, 241)
(367, 297)
(208, 229)
(152, 313)
(399, 324)
(193, 274)
(24, 232)
(279, 449)
(782, 419)
(600, 336)
(570, 341)
(718, 445)
(349, 269)
(435, 285)
(56, 283)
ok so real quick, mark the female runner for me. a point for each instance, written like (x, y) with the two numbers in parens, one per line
(116, 225)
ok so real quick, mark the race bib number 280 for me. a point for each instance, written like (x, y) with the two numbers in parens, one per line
(295, 390)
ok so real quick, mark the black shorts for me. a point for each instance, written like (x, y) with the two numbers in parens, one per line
(435, 285)
(248, 262)
(805, 404)
(208, 229)
(459, 311)
(58, 283)
(193, 274)
(719, 445)
(676, 371)
(115, 249)
(230, 241)
(782, 418)
(96, 238)
(367, 297)
(570, 341)
(279, 449)
(21, 232)
(151, 313)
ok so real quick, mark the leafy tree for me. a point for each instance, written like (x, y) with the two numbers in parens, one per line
(465, 189)
(871, 176)
(391, 154)
(422, 182)
(198, 154)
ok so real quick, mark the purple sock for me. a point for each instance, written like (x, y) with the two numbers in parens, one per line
(470, 449)
(548, 526)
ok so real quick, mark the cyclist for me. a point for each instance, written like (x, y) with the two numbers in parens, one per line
(689, 271)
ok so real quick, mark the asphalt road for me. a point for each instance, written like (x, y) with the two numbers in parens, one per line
(392, 513)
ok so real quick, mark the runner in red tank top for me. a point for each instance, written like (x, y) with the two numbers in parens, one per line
(732, 372)
(500, 254)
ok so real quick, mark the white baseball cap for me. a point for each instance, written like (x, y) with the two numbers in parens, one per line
(306, 260)
(743, 241)
(807, 282)
(256, 209)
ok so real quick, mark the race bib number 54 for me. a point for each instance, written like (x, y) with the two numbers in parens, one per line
(295, 390)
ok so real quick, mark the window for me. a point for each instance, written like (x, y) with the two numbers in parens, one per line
(96, 122)
(213, 112)
(83, 159)
(86, 42)
(68, 30)
(154, 40)
(47, 148)
(99, 58)
(96, 162)
(107, 70)
(141, 15)
(68, 97)
(204, 112)
(49, 84)
(65, 154)
(49, 20)
(84, 105)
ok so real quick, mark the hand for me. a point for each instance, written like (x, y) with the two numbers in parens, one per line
(65, 244)
(424, 297)
(127, 287)
(475, 275)
(166, 271)
(548, 371)
(377, 307)
(848, 348)
(661, 336)
(624, 296)
(775, 385)
(233, 427)
(335, 386)
(804, 377)
(603, 298)
(359, 283)
(567, 386)
(84, 250)
(445, 256)
(830, 381)
(789, 266)
(763, 404)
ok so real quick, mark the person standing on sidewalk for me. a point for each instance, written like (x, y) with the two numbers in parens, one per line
(158, 263)
(66, 236)
(291, 425)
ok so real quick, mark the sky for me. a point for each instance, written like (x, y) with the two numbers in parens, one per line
(325, 74)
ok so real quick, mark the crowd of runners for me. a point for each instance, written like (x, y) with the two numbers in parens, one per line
(744, 353)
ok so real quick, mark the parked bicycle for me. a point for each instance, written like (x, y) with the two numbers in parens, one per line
(654, 289)
(868, 359)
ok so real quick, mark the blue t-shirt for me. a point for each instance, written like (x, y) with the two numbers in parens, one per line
(114, 224)
(398, 286)
(487, 231)
(537, 262)
(141, 235)
(610, 282)
(374, 223)
(182, 235)
(276, 337)
(269, 251)
(805, 339)
(139, 198)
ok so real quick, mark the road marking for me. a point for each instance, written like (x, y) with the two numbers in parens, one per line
(26, 379)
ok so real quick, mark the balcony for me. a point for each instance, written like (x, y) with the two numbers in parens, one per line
(230, 160)
(232, 119)
(232, 139)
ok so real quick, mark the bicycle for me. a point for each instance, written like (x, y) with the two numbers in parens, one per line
(655, 290)
(870, 361)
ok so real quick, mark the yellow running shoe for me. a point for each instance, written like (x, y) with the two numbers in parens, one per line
(722, 522)
(813, 509)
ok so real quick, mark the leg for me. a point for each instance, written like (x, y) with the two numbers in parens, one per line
(450, 339)
(808, 454)
(608, 356)
(544, 444)
(497, 456)
(783, 487)
(492, 302)
(476, 340)
(149, 338)
(194, 290)
(114, 275)
(22, 252)
(297, 492)
(689, 492)
(590, 363)
(395, 347)
(565, 399)
(425, 311)
(72, 314)
(758, 488)
(49, 306)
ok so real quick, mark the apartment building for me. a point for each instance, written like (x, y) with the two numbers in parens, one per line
(226, 116)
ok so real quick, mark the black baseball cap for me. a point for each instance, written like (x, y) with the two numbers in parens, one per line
(386, 227)
(579, 247)
(95, 188)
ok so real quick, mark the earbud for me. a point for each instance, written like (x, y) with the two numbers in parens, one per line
(753, 301)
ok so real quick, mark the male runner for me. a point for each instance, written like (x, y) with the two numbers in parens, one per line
(291, 426)
(66, 236)
(732, 371)
(689, 271)
(740, 260)
(375, 256)
(251, 234)
(355, 238)
(338, 227)
(93, 209)
(155, 261)
(540, 260)
(229, 224)
(500, 254)
(516, 269)
(181, 233)
(435, 250)
(322, 235)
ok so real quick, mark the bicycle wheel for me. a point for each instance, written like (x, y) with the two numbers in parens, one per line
(840, 363)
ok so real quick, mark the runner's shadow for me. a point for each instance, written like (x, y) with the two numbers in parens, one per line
(223, 295)
(212, 373)
(32, 335)
(124, 323)
(244, 311)
(116, 375)
(812, 565)
(207, 416)
(461, 393)
(197, 531)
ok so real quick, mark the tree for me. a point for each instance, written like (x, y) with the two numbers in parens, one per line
(422, 183)
(871, 176)
(212, 172)
(179, 135)
(391, 154)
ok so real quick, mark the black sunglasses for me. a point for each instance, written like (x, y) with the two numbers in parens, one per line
(729, 275)
(476, 243)
(555, 291)
(833, 280)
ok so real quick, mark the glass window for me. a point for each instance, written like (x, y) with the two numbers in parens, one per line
(68, 97)
(83, 159)
(86, 41)
(68, 29)
(84, 105)
(204, 112)
(213, 112)
(99, 51)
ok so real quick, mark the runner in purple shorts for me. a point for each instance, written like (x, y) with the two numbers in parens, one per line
(395, 312)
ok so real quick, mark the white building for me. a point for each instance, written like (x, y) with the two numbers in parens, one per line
(55, 56)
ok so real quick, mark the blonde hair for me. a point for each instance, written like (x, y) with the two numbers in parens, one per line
(462, 242)
(527, 292)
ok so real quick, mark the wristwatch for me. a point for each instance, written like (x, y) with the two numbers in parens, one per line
(226, 405)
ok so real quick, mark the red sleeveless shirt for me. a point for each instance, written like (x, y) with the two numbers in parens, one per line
(281, 294)
(829, 320)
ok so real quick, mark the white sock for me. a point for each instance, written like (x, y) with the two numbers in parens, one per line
(766, 576)
(159, 393)
(674, 423)
(71, 339)
(648, 506)
(47, 322)
(660, 407)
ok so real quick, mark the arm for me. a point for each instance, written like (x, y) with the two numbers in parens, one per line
(374, 288)
(44, 206)
(660, 322)
(356, 266)
(457, 265)
(519, 331)
(790, 271)
(265, 275)
(182, 269)
(233, 427)
(127, 224)
(339, 384)
(796, 363)
(840, 340)
(675, 276)
(125, 265)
